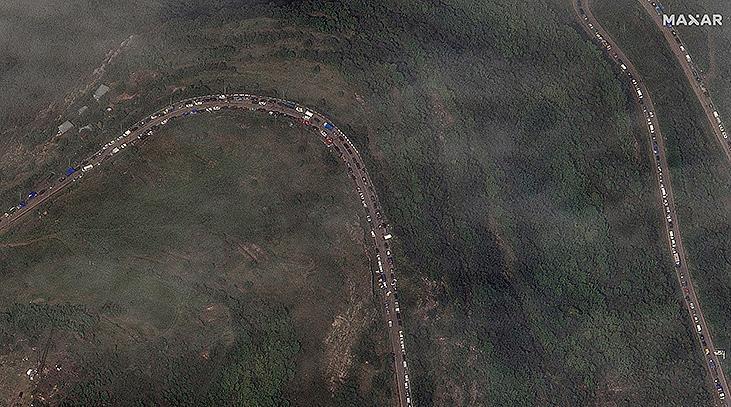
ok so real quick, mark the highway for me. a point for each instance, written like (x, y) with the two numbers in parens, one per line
(328, 133)
(692, 74)
(715, 376)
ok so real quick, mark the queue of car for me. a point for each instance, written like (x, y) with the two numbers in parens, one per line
(694, 70)
(308, 118)
(649, 115)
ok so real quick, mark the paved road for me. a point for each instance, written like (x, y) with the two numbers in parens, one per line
(692, 74)
(331, 136)
(715, 377)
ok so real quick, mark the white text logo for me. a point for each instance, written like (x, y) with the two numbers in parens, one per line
(691, 19)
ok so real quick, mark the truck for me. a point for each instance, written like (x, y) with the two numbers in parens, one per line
(32, 194)
(387, 236)
(328, 126)
(70, 170)
(87, 167)
(676, 257)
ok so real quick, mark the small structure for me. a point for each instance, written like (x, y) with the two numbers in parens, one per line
(88, 127)
(83, 110)
(65, 126)
(101, 91)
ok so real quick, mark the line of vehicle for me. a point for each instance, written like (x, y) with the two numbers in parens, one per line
(331, 136)
(662, 172)
(691, 72)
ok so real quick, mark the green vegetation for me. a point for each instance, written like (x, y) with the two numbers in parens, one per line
(523, 195)
(531, 255)
(701, 175)
(709, 47)
(189, 271)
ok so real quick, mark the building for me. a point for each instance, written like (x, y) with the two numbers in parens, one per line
(65, 126)
(101, 91)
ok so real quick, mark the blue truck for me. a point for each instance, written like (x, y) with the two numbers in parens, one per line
(70, 170)
(328, 126)
(32, 194)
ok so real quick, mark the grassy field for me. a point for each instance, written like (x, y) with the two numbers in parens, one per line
(531, 256)
(192, 271)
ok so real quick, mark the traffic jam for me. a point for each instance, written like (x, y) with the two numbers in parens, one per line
(660, 10)
(649, 116)
(274, 107)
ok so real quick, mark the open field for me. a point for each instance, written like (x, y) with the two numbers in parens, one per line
(194, 267)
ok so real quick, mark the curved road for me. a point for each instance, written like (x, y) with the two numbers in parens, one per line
(329, 134)
(715, 377)
(692, 75)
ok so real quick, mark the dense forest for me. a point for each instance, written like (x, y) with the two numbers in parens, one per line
(509, 160)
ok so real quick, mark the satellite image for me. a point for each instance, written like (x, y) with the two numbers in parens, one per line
(366, 203)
